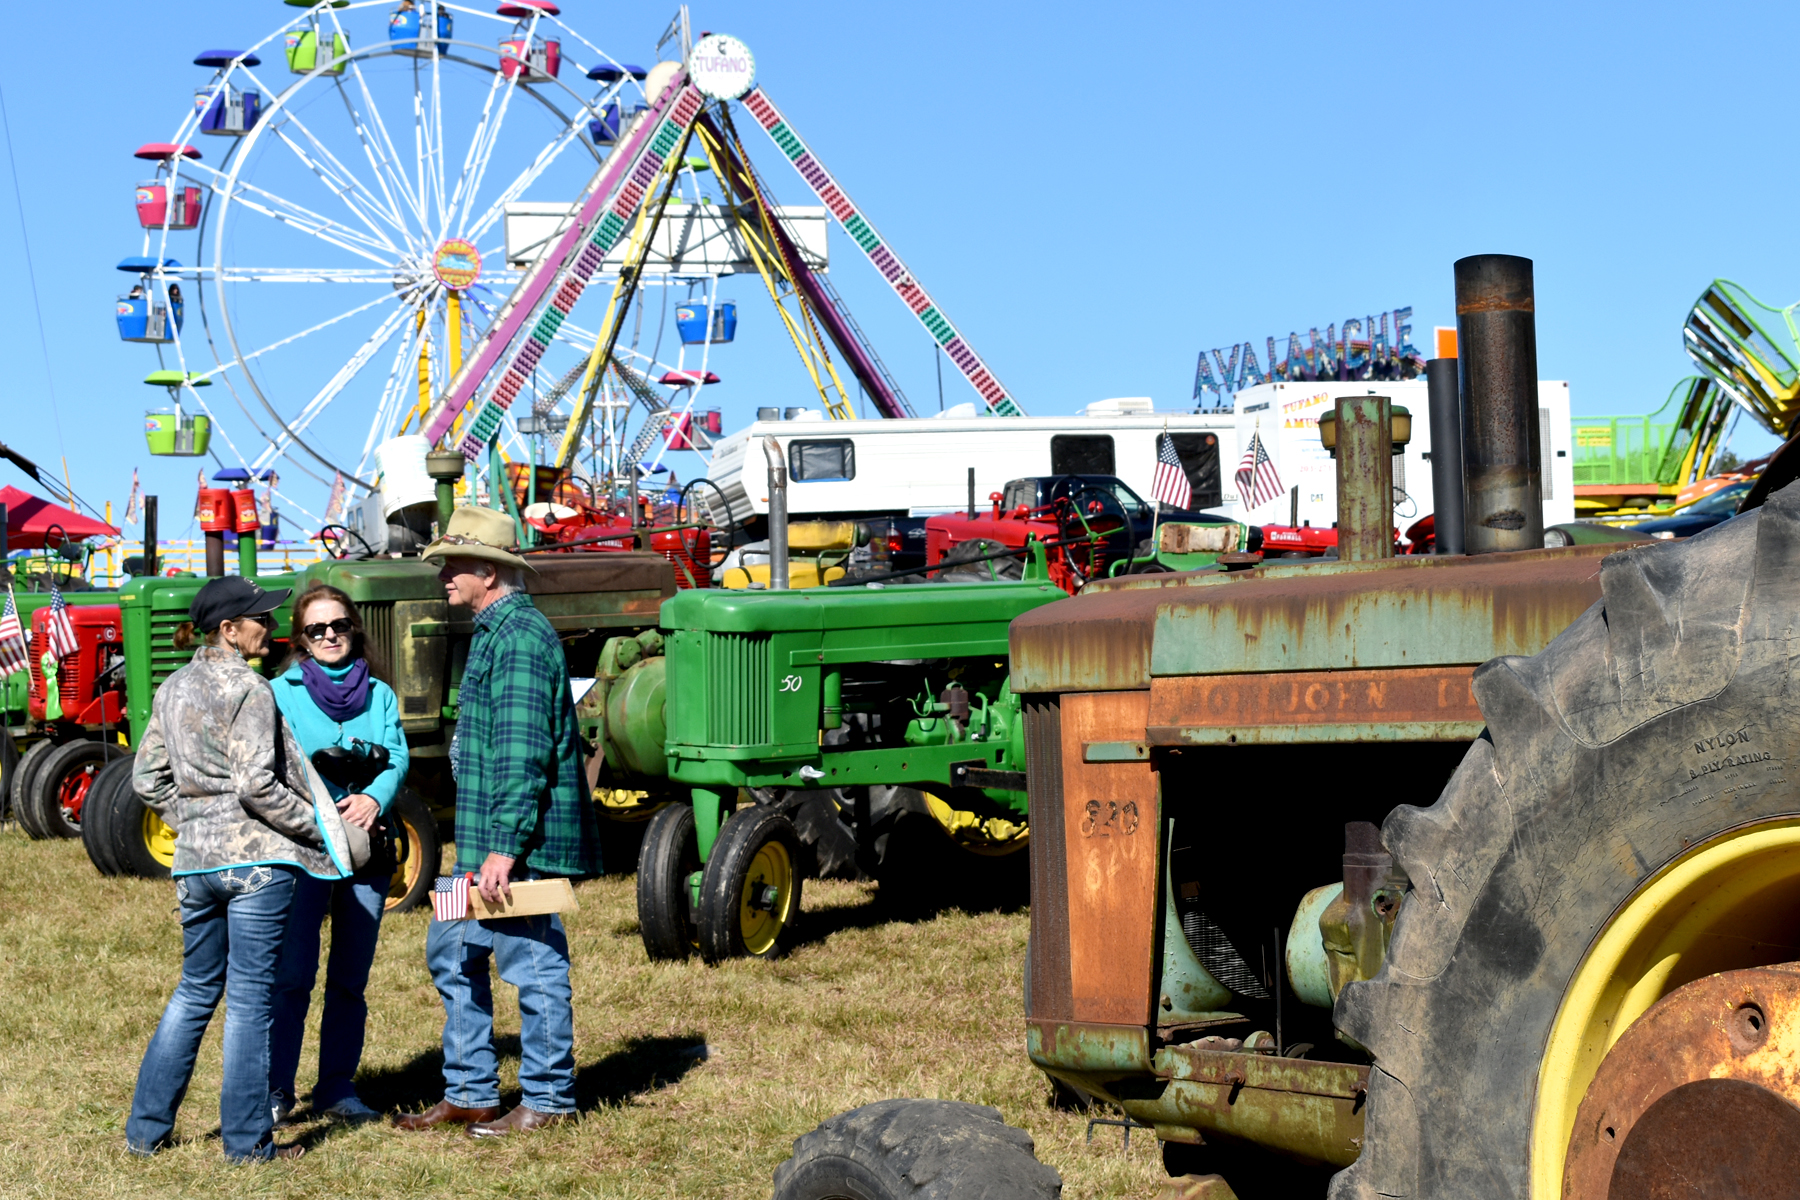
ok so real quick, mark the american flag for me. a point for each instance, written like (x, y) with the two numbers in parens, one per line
(450, 897)
(59, 630)
(15, 653)
(1257, 481)
(1171, 484)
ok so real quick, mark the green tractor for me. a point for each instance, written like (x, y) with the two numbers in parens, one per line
(1438, 877)
(589, 598)
(852, 719)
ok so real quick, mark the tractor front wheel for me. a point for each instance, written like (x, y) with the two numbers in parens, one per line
(19, 791)
(62, 783)
(669, 858)
(98, 812)
(143, 845)
(750, 893)
(420, 852)
(916, 1150)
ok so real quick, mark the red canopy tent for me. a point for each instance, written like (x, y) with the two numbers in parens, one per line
(29, 520)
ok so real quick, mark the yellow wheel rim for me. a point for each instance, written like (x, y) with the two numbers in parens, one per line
(762, 916)
(159, 839)
(407, 873)
(1728, 903)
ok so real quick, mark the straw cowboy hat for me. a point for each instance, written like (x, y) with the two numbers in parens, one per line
(478, 533)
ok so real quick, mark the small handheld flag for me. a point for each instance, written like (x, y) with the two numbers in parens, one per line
(1171, 485)
(1257, 480)
(450, 897)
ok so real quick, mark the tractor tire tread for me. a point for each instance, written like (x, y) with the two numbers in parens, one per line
(23, 790)
(97, 815)
(743, 834)
(668, 855)
(1585, 783)
(916, 1150)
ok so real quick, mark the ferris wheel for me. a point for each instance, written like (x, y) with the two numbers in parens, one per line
(347, 238)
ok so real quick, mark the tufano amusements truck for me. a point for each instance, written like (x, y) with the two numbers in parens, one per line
(1442, 876)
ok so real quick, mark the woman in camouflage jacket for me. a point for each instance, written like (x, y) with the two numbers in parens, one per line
(219, 764)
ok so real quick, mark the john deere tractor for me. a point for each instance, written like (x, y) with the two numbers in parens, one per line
(588, 597)
(1475, 875)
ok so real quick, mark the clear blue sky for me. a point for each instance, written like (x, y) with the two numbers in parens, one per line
(1095, 193)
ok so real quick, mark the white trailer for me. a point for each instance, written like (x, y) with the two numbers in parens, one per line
(920, 466)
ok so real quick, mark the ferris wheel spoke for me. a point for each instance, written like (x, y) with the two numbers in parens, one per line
(545, 158)
(378, 275)
(481, 145)
(243, 359)
(384, 332)
(392, 391)
(378, 144)
(304, 219)
(340, 179)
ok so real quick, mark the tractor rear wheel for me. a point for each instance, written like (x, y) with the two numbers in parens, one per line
(143, 845)
(421, 853)
(63, 781)
(97, 814)
(1625, 829)
(750, 893)
(669, 858)
(20, 791)
(916, 1150)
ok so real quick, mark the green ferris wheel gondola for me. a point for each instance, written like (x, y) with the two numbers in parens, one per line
(172, 432)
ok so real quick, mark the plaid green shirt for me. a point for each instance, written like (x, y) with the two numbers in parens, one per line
(520, 788)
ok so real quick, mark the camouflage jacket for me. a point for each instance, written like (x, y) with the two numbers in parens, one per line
(218, 763)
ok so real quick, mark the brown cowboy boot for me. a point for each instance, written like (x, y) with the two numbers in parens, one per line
(519, 1120)
(445, 1113)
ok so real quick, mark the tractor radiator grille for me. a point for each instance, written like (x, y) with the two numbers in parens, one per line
(165, 659)
(737, 689)
(378, 630)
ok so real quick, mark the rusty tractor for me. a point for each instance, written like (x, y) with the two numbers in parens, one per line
(1440, 876)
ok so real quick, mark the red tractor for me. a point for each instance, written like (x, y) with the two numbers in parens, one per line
(76, 705)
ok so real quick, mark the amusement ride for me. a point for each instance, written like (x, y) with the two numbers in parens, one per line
(359, 239)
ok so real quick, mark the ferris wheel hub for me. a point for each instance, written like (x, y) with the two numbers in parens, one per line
(456, 264)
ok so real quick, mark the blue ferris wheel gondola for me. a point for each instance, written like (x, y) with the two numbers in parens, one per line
(226, 111)
(405, 25)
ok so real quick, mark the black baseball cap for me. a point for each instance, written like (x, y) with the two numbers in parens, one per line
(232, 596)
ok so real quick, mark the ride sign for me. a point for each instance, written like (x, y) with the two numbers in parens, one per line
(456, 263)
(722, 67)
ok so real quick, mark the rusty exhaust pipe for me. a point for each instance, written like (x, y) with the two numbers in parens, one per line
(1496, 346)
(1446, 455)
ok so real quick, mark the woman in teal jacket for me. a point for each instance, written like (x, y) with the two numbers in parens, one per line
(331, 697)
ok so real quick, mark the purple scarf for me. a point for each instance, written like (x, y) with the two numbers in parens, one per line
(339, 699)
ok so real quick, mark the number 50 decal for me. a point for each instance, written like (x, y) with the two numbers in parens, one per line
(790, 683)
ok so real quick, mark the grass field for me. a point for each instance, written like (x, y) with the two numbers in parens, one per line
(693, 1081)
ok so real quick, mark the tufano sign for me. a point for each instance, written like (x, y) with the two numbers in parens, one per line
(722, 67)
(1378, 347)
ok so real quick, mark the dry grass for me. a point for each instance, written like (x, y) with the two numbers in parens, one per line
(863, 1011)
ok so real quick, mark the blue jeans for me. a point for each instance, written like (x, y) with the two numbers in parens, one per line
(355, 906)
(232, 925)
(532, 954)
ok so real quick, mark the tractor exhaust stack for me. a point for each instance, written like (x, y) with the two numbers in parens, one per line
(1446, 455)
(1496, 340)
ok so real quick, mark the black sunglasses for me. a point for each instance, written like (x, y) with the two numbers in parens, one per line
(341, 627)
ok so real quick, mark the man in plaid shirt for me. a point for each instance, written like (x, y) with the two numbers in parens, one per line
(522, 812)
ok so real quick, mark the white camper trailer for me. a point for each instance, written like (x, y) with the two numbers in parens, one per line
(920, 466)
